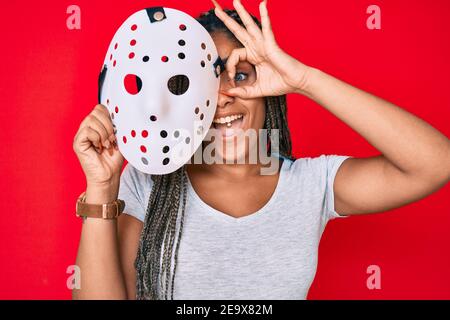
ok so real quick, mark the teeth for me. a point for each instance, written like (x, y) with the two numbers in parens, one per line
(228, 119)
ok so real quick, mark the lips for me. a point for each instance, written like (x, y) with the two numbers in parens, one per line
(229, 124)
(228, 118)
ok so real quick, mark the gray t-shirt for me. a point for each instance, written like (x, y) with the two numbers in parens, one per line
(270, 254)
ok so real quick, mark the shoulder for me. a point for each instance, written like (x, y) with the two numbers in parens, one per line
(313, 174)
(134, 177)
(135, 188)
(313, 178)
(315, 166)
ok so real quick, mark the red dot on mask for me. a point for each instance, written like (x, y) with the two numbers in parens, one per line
(116, 45)
(124, 139)
(143, 149)
(133, 27)
(110, 57)
(116, 109)
(114, 63)
(144, 133)
(133, 133)
(182, 27)
(164, 59)
(132, 42)
(131, 55)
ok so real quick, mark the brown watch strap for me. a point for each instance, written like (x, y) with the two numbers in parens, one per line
(104, 211)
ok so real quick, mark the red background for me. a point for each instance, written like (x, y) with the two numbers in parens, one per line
(49, 84)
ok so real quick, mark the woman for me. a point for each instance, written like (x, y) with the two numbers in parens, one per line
(224, 231)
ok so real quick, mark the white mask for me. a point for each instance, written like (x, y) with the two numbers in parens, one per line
(158, 131)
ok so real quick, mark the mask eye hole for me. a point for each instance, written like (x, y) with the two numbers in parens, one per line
(178, 84)
(132, 84)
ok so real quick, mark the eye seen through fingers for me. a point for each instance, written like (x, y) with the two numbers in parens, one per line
(240, 76)
(245, 74)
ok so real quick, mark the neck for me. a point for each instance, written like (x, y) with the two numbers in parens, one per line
(234, 172)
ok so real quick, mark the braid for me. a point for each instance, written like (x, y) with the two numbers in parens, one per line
(276, 110)
(167, 200)
(158, 235)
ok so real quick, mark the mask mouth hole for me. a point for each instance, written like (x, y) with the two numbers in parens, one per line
(178, 84)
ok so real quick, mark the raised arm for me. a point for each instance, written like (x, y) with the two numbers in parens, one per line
(415, 158)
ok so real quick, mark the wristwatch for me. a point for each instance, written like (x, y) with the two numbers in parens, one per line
(105, 211)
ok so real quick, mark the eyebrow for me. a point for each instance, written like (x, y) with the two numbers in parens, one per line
(224, 61)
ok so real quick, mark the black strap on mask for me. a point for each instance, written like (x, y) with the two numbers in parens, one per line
(219, 67)
(154, 14)
(101, 79)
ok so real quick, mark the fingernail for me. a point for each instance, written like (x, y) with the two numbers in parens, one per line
(107, 144)
(227, 93)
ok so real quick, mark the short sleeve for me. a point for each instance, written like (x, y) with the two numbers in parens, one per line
(134, 189)
(332, 163)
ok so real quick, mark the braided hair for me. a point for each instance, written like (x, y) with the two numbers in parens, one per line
(163, 225)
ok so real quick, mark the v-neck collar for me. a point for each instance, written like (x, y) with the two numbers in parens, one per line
(259, 214)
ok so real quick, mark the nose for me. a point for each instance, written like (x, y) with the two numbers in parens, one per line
(225, 83)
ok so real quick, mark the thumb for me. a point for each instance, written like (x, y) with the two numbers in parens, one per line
(246, 92)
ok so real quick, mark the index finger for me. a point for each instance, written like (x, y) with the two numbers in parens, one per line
(103, 115)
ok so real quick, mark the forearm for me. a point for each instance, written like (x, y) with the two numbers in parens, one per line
(98, 256)
(410, 143)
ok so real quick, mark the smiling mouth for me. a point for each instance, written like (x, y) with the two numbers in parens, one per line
(229, 124)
